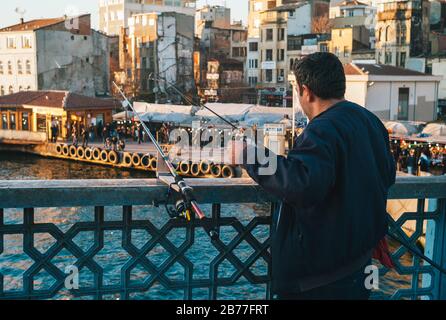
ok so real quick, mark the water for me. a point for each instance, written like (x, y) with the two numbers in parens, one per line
(13, 261)
(20, 166)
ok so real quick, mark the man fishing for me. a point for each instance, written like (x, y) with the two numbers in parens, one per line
(333, 190)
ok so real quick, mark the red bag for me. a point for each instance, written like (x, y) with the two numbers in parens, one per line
(382, 254)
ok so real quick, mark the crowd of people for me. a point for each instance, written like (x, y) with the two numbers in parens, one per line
(112, 135)
(414, 158)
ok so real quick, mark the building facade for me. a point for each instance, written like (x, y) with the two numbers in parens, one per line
(36, 111)
(393, 93)
(280, 24)
(55, 54)
(353, 31)
(160, 44)
(114, 14)
(220, 54)
(402, 31)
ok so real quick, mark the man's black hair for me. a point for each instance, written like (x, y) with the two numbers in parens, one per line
(323, 74)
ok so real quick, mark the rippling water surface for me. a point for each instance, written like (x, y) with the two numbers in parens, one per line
(14, 262)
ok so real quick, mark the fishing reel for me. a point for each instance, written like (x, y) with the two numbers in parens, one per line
(182, 208)
(179, 211)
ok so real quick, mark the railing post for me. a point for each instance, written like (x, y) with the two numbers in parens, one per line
(1, 248)
(436, 248)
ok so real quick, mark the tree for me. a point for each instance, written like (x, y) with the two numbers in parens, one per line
(321, 24)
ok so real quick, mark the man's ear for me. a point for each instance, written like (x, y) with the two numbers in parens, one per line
(308, 93)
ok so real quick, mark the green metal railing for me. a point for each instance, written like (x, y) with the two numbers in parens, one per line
(124, 246)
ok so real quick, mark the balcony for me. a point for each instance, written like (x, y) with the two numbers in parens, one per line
(123, 244)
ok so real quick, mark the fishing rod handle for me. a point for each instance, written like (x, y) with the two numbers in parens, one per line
(200, 214)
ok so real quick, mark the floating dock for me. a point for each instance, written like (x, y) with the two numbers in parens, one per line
(137, 157)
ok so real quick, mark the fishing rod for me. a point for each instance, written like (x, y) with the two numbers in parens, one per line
(188, 203)
(200, 105)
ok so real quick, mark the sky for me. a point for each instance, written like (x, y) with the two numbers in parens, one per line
(57, 8)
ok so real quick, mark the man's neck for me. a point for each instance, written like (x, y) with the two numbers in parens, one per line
(322, 106)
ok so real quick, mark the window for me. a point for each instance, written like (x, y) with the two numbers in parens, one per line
(10, 43)
(253, 46)
(388, 58)
(25, 121)
(28, 67)
(403, 59)
(269, 35)
(269, 75)
(20, 88)
(41, 122)
(2, 91)
(239, 52)
(19, 67)
(11, 90)
(294, 44)
(280, 75)
(9, 67)
(403, 35)
(26, 42)
(1, 67)
(269, 55)
(346, 51)
(253, 81)
(340, 32)
(12, 121)
(280, 54)
(323, 47)
(253, 64)
(281, 34)
(4, 121)
(388, 33)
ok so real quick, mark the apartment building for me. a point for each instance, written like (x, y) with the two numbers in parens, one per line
(402, 31)
(353, 31)
(256, 7)
(160, 44)
(55, 54)
(216, 16)
(280, 25)
(114, 14)
(221, 54)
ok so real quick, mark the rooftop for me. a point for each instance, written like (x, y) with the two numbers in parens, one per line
(36, 24)
(379, 70)
(32, 25)
(288, 7)
(351, 3)
(57, 99)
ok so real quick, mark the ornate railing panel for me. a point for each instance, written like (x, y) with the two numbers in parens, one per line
(124, 247)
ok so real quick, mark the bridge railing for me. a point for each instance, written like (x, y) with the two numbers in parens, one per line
(112, 239)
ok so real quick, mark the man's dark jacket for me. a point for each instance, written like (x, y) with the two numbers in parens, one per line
(333, 186)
